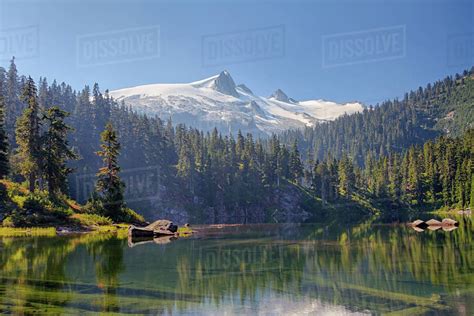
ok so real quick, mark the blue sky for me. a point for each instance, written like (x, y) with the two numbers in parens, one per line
(433, 32)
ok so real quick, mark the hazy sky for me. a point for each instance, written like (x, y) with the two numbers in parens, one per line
(336, 50)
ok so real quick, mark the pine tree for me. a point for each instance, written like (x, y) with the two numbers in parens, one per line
(109, 186)
(346, 177)
(185, 167)
(4, 162)
(394, 177)
(56, 151)
(296, 167)
(28, 136)
(12, 100)
(414, 187)
(471, 202)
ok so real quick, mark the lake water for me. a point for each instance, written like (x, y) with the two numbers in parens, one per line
(271, 269)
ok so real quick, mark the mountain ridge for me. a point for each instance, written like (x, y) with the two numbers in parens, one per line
(218, 101)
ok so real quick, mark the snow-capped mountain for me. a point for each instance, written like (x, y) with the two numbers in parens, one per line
(218, 102)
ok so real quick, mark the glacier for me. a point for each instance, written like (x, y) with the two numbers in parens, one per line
(218, 102)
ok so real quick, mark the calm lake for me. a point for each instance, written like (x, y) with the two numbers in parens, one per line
(270, 269)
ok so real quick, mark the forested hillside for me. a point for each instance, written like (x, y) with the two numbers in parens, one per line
(436, 174)
(219, 178)
(445, 107)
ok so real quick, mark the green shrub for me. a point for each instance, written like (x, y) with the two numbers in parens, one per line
(92, 219)
(19, 200)
(130, 216)
(95, 206)
(34, 204)
(38, 210)
(8, 222)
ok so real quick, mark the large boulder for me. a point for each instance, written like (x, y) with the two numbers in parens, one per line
(418, 223)
(433, 222)
(449, 222)
(162, 225)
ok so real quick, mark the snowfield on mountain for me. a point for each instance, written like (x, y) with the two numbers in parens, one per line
(218, 102)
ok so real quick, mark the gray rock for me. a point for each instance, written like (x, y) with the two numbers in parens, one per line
(162, 225)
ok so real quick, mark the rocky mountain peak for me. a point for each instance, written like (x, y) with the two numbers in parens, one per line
(225, 84)
(280, 96)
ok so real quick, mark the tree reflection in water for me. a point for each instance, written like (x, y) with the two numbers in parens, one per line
(247, 269)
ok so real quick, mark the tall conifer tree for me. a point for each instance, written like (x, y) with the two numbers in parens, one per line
(110, 187)
(28, 136)
(56, 151)
(4, 162)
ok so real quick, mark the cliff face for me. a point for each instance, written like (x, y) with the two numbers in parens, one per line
(285, 204)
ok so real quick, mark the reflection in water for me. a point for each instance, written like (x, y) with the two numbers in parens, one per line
(268, 269)
(136, 241)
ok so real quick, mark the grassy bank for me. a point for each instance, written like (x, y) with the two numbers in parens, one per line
(27, 231)
(20, 210)
(121, 229)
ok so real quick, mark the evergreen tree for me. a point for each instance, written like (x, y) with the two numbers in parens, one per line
(4, 161)
(471, 202)
(394, 178)
(346, 177)
(185, 167)
(414, 191)
(56, 151)
(28, 136)
(12, 100)
(109, 186)
(296, 167)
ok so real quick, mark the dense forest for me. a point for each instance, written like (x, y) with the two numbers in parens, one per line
(444, 107)
(371, 160)
(438, 173)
